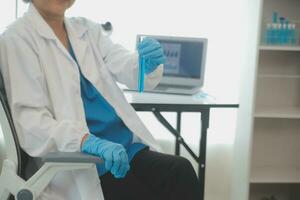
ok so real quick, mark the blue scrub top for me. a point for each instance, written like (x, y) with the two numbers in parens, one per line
(102, 120)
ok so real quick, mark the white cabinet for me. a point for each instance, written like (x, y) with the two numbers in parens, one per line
(275, 165)
(275, 192)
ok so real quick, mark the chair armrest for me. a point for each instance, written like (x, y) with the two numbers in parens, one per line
(71, 157)
(11, 183)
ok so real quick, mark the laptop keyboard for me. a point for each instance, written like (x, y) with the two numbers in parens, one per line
(165, 87)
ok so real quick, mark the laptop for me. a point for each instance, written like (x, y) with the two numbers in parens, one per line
(185, 64)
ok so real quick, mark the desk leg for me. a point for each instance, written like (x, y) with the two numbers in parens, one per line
(178, 138)
(202, 149)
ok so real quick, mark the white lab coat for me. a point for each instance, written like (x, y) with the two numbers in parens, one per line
(43, 89)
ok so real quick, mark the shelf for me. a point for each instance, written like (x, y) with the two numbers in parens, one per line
(281, 191)
(279, 48)
(275, 166)
(277, 76)
(272, 174)
(277, 112)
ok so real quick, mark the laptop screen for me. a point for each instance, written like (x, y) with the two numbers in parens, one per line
(184, 56)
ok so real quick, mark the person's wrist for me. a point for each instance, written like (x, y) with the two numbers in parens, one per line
(83, 140)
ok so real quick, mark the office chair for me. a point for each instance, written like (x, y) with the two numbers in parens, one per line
(20, 177)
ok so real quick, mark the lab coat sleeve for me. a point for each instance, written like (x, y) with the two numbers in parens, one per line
(123, 64)
(38, 130)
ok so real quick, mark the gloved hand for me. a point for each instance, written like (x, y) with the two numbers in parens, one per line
(152, 52)
(113, 154)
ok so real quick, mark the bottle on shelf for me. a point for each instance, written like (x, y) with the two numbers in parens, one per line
(275, 29)
(294, 35)
(286, 32)
(275, 33)
(289, 33)
(280, 32)
(275, 17)
(268, 34)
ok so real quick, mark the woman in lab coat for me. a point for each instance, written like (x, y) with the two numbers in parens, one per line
(60, 76)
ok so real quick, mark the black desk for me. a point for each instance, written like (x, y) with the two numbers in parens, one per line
(157, 103)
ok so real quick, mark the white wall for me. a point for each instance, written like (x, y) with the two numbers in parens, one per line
(7, 13)
(243, 140)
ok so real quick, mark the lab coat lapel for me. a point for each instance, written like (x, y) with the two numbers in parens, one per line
(80, 48)
(78, 41)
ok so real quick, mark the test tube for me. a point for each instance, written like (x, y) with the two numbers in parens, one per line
(141, 74)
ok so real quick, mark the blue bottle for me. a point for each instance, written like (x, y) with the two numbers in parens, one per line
(275, 34)
(286, 32)
(275, 17)
(289, 34)
(282, 31)
(294, 35)
(268, 34)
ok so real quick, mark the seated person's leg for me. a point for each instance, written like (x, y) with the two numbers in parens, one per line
(172, 177)
(128, 188)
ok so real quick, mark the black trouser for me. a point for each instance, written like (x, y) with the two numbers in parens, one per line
(154, 176)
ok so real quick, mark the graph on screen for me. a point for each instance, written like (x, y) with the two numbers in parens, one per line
(172, 53)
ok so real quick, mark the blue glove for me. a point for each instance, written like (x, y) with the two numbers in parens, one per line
(152, 52)
(113, 154)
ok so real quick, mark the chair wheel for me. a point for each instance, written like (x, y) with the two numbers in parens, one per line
(25, 195)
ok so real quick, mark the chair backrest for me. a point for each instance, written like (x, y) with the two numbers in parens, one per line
(9, 143)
